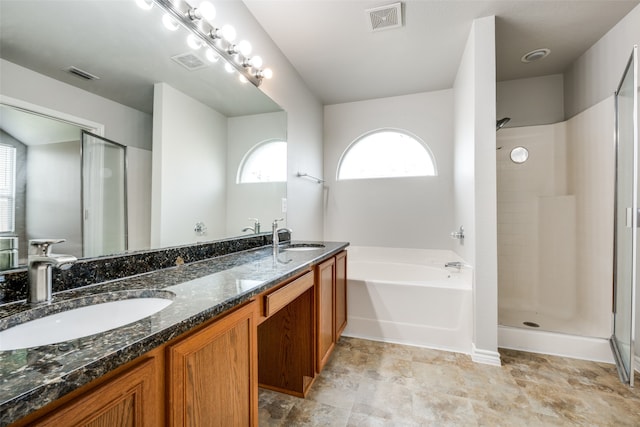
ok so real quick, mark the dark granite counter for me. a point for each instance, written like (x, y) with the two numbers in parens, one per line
(33, 377)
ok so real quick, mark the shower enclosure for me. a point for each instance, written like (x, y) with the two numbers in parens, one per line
(626, 223)
(104, 196)
(568, 216)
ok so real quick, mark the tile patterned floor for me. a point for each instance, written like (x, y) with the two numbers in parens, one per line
(368, 383)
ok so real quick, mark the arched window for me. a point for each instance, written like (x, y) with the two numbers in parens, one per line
(386, 153)
(265, 162)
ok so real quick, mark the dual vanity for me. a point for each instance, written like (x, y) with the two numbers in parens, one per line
(224, 324)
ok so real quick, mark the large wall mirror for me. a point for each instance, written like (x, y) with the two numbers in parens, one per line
(187, 126)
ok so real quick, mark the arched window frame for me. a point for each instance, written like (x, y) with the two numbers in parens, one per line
(252, 152)
(397, 130)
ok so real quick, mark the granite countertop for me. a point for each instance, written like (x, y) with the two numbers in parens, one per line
(33, 377)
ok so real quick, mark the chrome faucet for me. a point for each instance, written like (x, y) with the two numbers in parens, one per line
(40, 261)
(256, 226)
(276, 237)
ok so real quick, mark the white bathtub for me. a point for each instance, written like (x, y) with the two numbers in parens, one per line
(407, 296)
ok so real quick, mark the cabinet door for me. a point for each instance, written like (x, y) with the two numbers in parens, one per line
(212, 374)
(325, 314)
(129, 399)
(341, 293)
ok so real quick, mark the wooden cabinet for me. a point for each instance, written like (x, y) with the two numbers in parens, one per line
(325, 311)
(212, 374)
(285, 338)
(129, 399)
(331, 305)
(208, 376)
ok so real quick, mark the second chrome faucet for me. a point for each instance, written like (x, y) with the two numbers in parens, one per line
(276, 234)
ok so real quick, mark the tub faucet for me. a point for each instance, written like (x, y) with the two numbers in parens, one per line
(40, 261)
(276, 232)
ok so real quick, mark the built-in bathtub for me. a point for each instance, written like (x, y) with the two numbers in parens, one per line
(407, 296)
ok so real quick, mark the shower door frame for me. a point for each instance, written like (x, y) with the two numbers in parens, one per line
(626, 377)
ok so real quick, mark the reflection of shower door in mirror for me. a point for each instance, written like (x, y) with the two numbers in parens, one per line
(104, 198)
(626, 223)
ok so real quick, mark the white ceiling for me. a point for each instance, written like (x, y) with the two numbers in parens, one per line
(341, 60)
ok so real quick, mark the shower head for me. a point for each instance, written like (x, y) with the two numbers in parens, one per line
(500, 123)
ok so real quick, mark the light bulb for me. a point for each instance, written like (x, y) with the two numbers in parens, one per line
(267, 73)
(242, 79)
(256, 61)
(169, 23)
(211, 55)
(145, 4)
(228, 33)
(244, 47)
(193, 42)
(229, 68)
(207, 10)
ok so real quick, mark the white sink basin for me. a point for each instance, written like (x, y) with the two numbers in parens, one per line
(297, 247)
(79, 322)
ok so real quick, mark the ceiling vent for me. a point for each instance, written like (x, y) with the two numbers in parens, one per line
(82, 74)
(189, 61)
(385, 17)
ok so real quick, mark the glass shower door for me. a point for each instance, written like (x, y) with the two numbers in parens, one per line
(626, 226)
(104, 197)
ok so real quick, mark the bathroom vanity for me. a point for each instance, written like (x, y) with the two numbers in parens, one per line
(236, 321)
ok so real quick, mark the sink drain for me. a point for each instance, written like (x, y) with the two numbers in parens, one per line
(531, 324)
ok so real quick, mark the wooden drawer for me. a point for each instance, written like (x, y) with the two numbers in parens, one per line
(278, 299)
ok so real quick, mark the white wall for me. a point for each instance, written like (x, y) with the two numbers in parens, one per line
(592, 180)
(188, 169)
(139, 196)
(401, 212)
(533, 101)
(595, 75)
(53, 196)
(475, 180)
(254, 200)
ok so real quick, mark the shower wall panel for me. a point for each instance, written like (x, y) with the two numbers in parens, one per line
(555, 224)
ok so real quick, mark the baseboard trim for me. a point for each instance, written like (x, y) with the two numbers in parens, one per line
(555, 344)
(486, 357)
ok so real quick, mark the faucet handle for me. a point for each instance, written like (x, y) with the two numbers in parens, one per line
(275, 222)
(42, 246)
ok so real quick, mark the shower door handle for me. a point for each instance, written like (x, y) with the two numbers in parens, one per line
(629, 218)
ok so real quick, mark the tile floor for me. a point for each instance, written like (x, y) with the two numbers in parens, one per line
(368, 383)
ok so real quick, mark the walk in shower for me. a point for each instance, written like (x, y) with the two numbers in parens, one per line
(550, 254)
(559, 194)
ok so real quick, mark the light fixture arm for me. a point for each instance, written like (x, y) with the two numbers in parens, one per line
(184, 14)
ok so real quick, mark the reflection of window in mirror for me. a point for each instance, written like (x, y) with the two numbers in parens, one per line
(265, 162)
(7, 188)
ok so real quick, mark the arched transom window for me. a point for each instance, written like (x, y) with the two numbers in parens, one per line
(386, 153)
(265, 162)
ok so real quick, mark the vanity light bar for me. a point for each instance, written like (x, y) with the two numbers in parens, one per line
(182, 12)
